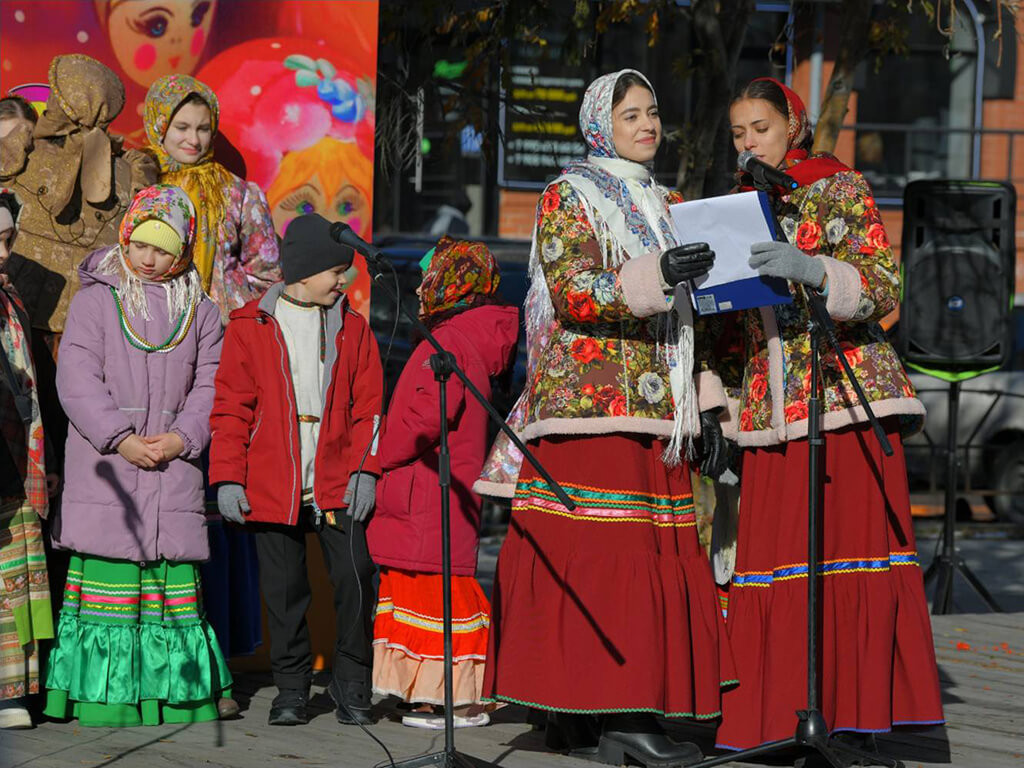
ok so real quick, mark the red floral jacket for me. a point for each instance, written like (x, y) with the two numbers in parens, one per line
(763, 356)
(603, 368)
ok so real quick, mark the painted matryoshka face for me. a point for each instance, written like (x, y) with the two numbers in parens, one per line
(153, 38)
(348, 204)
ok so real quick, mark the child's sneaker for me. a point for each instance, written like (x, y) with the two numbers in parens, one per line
(352, 702)
(289, 708)
(436, 722)
(14, 715)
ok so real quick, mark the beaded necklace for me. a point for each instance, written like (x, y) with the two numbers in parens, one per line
(178, 334)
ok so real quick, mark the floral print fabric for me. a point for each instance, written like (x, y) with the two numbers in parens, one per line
(837, 217)
(170, 205)
(236, 250)
(600, 360)
(460, 274)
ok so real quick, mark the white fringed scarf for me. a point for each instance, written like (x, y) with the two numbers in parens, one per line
(182, 292)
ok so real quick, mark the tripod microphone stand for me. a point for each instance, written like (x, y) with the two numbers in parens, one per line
(947, 560)
(444, 365)
(811, 730)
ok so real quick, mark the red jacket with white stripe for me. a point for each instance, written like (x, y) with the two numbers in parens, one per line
(255, 440)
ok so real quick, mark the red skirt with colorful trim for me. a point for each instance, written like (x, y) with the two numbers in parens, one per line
(877, 665)
(610, 607)
(408, 637)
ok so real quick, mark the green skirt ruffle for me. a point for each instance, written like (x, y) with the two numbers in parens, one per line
(133, 647)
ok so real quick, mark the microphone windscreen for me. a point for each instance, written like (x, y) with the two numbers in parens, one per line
(745, 157)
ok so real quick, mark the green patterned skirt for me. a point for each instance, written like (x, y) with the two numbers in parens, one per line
(133, 646)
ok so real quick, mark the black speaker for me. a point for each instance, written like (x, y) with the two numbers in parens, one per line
(958, 275)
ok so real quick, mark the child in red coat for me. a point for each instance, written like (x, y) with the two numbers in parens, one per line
(295, 417)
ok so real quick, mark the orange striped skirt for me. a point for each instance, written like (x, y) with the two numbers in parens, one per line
(408, 639)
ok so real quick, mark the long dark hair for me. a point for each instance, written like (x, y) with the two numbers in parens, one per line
(624, 83)
(770, 92)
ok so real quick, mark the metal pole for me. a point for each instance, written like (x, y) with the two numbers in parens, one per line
(444, 475)
(814, 443)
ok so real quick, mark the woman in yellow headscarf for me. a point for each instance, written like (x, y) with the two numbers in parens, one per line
(236, 255)
(236, 250)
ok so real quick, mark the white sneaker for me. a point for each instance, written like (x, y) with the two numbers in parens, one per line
(436, 722)
(14, 715)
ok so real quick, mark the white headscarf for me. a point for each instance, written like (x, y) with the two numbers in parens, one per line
(626, 207)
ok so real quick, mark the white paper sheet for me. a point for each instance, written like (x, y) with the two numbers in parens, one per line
(730, 224)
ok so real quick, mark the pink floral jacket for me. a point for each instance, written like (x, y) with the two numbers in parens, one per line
(247, 260)
(763, 356)
(602, 369)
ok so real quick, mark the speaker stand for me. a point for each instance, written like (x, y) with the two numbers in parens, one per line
(947, 561)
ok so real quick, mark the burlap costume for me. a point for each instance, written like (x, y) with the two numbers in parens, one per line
(76, 184)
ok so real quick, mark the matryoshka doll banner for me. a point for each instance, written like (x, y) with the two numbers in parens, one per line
(296, 81)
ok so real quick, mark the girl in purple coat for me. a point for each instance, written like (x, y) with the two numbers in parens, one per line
(136, 370)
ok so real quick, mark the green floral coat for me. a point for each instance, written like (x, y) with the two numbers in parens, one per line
(763, 356)
(603, 369)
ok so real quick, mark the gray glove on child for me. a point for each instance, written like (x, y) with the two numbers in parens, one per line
(788, 261)
(232, 503)
(360, 495)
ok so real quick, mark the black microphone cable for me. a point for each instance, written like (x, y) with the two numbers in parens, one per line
(351, 539)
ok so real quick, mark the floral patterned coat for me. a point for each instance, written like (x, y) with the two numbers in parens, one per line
(603, 369)
(247, 259)
(763, 356)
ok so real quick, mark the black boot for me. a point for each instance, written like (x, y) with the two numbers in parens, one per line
(574, 734)
(352, 700)
(289, 708)
(638, 737)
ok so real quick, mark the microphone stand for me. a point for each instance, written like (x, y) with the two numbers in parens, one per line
(444, 365)
(811, 729)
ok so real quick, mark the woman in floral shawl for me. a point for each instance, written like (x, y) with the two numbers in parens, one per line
(236, 256)
(609, 608)
(236, 248)
(25, 487)
(878, 664)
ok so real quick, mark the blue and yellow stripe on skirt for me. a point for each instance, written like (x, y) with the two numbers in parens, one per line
(603, 505)
(826, 568)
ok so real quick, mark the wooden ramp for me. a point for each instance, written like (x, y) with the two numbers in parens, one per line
(981, 659)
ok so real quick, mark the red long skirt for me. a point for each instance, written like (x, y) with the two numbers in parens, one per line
(610, 607)
(877, 662)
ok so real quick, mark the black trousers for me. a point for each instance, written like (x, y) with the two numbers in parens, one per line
(281, 550)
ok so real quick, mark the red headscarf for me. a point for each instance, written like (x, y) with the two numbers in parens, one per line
(798, 162)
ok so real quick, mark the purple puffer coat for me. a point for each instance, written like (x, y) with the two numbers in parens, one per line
(111, 508)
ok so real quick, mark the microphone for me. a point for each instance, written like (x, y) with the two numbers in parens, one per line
(344, 234)
(763, 173)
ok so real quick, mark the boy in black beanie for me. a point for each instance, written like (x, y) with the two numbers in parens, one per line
(294, 448)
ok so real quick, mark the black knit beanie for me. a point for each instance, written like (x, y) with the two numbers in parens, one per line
(307, 248)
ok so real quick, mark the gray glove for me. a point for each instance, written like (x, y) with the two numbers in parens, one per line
(788, 261)
(231, 502)
(360, 495)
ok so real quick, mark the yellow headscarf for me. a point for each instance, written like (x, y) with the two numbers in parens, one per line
(206, 180)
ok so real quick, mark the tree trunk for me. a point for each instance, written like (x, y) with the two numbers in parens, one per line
(719, 27)
(854, 25)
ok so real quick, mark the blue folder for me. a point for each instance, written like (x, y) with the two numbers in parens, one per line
(745, 294)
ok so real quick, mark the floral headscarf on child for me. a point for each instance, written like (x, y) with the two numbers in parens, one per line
(205, 180)
(167, 204)
(173, 207)
(461, 274)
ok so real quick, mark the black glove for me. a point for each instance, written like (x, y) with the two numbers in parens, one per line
(685, 262)
(715, 451)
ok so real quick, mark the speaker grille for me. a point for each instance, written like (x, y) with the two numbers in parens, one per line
(958, 269)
